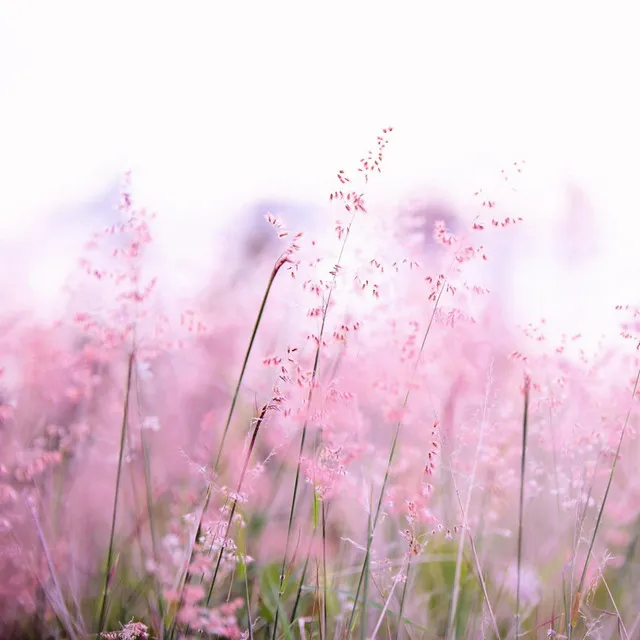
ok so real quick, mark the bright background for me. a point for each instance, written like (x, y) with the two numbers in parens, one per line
(214, 103)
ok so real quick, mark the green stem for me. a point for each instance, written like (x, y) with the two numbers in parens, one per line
(123, 432)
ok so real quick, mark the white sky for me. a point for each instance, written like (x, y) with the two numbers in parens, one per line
(212, 102)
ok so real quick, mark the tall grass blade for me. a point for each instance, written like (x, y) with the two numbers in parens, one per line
(523, 462)
(604, 499)
(123, 433)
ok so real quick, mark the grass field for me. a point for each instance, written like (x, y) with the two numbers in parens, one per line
(351, 443)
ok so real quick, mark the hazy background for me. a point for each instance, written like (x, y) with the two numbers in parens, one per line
(213, 105)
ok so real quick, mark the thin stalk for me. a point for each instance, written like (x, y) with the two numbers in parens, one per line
(574, 598)
(324, 564)
(123, 433)
(247, 599)
(62, 613)
(294, 611)
(289, 529)
(314, 378)
(476, 560)
(621, 626)
(465, 515)
(209, 489)
(521, 502)
(316, 608)
(146, 456)
(138, 509)
(604, 500)
(403, 598)
(373, 605)
(236, 394)
(152, 530)
(386, 605)
(365, 592)
(394, 445)
(234, 506)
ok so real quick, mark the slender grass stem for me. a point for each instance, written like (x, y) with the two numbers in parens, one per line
(123, 433)
(394, 445)
(604, 502)
(209, 489)
(523, 461)
(314, 378)
(258, 422)
(465, 516)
